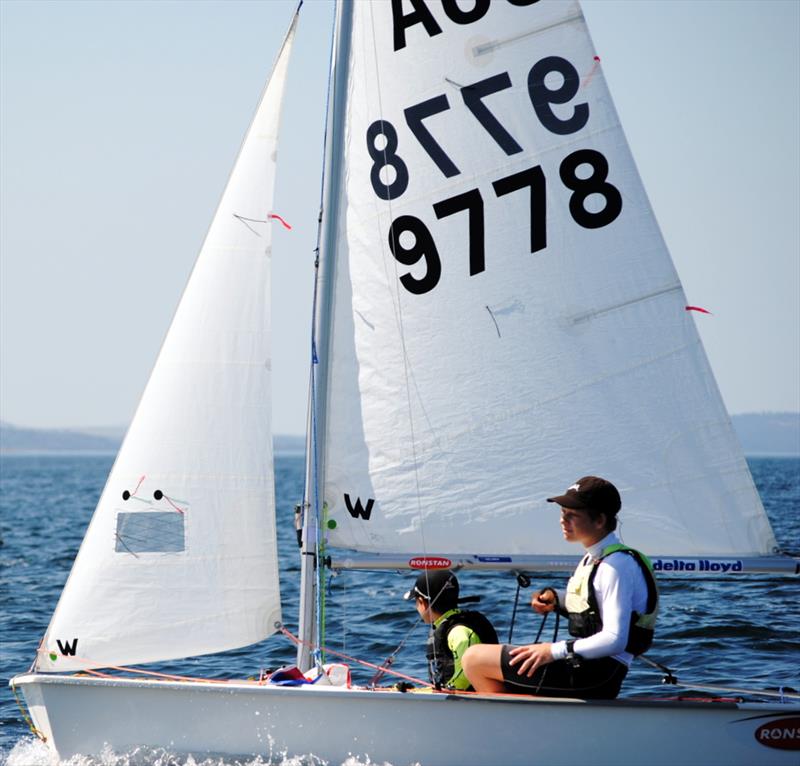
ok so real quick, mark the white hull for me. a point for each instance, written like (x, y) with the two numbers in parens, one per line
(86, 715)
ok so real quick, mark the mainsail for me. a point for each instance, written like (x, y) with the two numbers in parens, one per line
(180, 556)
(506, 316)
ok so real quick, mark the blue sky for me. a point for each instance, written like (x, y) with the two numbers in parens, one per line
(120, 122)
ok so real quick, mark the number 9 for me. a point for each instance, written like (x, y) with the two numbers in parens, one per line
(423, 247)
(542, 97)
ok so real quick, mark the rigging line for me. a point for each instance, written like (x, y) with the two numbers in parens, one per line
(553, 640)
(318, 511)
(389, 661)
(312, 444)
(671, 679)
(411, 380)
(344, 612)
(523, 581)
(395, 296)
(514, 616)
(366, 664)
(401, 328)
(25, 716)
(321, 551)
(148, 673)
(408, 375)
(317, 517)
(669, 676)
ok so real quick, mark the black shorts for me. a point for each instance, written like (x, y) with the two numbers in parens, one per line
(592, 680)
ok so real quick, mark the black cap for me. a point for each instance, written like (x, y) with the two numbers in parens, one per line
(436, 586)
(591, 493)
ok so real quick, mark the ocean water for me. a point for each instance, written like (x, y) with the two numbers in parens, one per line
(742, 631)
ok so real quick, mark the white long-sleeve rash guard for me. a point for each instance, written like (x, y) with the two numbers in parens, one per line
(620, 588)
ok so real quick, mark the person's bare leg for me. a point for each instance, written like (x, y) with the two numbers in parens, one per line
(481, 664)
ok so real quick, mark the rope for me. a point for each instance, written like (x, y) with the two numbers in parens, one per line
(165, 676)
(366, 664)
(670, 678)
(514, 614)
(148, 673)
(25, 716)
(389, 661)
(523, 581)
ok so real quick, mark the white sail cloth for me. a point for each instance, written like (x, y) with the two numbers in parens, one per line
(180, 556)
(462, 393)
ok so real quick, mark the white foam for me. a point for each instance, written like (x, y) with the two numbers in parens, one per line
(30, 751)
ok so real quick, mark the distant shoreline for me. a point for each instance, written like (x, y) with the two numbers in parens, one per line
(112, 453)
(11, 453)
(767, 434)
(15, 440)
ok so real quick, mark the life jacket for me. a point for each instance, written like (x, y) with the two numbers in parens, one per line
(583, 610)
(441, 663)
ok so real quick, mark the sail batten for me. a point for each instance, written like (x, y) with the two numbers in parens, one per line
(488, 47)
(180, 557)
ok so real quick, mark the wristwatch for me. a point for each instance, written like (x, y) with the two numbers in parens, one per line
(572, 658)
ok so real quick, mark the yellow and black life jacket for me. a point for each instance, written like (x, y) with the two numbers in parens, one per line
(441, 664)
(584, 613)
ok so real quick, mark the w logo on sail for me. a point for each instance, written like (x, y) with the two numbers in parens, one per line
(67, 649)
(359, 511)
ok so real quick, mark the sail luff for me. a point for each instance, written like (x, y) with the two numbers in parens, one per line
(180, 557)
(332, 175)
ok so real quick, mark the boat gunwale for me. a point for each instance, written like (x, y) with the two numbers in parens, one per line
(767, 709)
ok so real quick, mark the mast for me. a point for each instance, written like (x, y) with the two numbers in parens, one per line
(308, 628)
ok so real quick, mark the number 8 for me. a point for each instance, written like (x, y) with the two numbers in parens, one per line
(595, 184)
(386, 157)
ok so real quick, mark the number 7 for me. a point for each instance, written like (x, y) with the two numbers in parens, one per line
(534, 178)
(473, 96)
(472, 202)
(414, 117)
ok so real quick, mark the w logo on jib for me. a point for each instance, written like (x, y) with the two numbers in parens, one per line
(358, 510)
(67, 649)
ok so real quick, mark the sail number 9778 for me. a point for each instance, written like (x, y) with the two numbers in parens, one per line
(410, 240)
(423, 246)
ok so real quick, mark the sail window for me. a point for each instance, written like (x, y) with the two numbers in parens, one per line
(151, 532)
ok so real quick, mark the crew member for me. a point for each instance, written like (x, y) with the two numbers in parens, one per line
(453, 630)
(611, 602)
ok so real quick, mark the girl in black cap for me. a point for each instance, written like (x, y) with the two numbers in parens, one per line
(611, 602)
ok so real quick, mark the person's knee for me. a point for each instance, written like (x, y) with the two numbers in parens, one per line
(470, 658)
(479, 659)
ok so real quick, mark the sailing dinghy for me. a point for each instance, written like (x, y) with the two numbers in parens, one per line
(495, 312)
